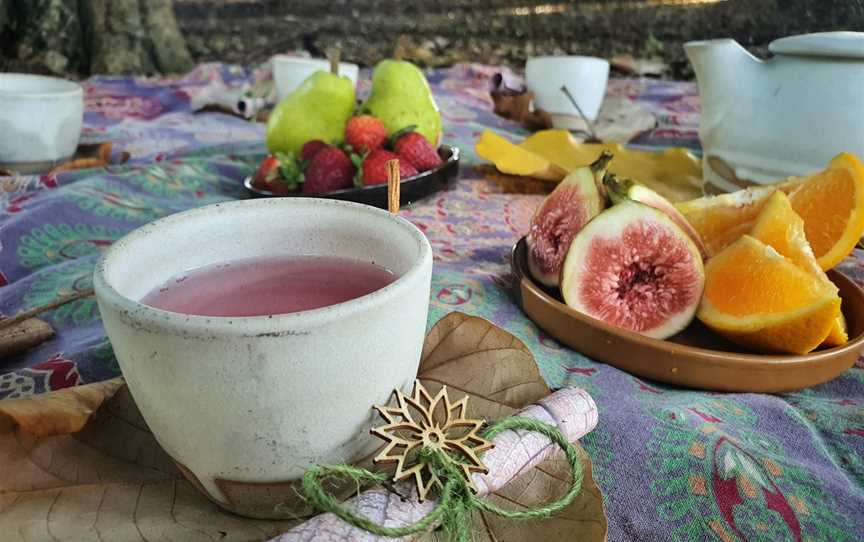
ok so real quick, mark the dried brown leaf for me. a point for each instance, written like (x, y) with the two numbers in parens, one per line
(497, 371)
(56, 413)
(23, 335)
(473, 356)
(111, 481)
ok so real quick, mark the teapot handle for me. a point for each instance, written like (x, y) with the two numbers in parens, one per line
(821, 44)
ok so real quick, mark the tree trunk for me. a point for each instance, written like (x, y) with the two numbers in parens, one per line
(91, 36)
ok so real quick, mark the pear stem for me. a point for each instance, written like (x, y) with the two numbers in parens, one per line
(393, 179)
(333, 56)
(399, 51)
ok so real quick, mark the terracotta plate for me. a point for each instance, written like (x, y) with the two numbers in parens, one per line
(412, 189)
(696, 357)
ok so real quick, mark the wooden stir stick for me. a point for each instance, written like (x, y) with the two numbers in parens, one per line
(62, 300)
(393, 180)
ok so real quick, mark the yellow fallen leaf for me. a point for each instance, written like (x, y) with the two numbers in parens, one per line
(514, 160)
(674, 173)
(57, 413)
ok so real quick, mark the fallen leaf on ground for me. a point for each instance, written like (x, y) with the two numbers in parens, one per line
(56, 413)
(113, 480)
(496, 370)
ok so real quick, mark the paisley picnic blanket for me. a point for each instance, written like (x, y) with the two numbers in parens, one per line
(673, 464)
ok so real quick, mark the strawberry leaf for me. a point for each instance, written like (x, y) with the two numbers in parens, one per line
(290, 171)
(399, 133)
(357, 159)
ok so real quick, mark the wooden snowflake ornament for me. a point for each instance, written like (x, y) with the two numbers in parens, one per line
(422, 421)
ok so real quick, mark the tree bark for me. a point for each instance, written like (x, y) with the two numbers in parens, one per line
(84, 37)
(167, 44)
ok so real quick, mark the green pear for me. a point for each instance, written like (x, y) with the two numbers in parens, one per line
(318, 109)
(401, 97)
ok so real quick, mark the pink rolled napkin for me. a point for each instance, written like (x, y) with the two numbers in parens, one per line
(572, 410)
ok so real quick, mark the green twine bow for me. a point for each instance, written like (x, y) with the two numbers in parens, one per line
(456, 501)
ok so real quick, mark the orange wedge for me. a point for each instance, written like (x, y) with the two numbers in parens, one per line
(832, 206)
(758, 298)
(838, 336)
(720, 220)
(831, 203)
(780, 227)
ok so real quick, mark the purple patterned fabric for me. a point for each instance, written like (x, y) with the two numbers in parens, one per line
(673, 463)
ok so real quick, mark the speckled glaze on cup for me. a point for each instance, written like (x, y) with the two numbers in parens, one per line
(245, 405)
(40, 121)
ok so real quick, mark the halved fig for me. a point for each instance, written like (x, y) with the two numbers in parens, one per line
(620, 189)
(634, 268)
(559, 218)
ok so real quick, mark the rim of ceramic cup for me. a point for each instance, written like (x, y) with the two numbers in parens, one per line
(308, 60)
(63, 87)
(567, 57)
(274, 325)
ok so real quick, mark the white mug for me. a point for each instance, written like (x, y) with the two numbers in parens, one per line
(244, 405)
(290, 71)
(584, 76)
(40, 121)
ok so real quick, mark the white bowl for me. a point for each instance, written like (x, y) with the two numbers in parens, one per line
(245, 405)
(584, 76)
(290, 71)
(40, 120)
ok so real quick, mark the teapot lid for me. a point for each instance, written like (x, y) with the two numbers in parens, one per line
(824, 44)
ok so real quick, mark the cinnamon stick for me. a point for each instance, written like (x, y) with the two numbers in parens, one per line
(79, 163)
(393, 180)
(23, 335)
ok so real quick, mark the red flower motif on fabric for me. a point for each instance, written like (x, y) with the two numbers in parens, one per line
(732, 463)
(580, 371)
(16, 204)
(124, 107)
(63, 372)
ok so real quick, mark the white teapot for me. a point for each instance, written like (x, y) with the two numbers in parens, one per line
(765, 120)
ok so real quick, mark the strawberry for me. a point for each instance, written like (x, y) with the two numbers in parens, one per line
(415, 148)
(375, 167)
(365, 133)
(278, 173)
(310, 149)
(267, 172)
(330, 169)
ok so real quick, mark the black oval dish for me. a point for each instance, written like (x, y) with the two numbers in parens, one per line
(412, 189)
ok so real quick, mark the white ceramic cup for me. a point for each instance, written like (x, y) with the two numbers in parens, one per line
(584, 76)
(40, 120)
(245, 405)
(290, 71)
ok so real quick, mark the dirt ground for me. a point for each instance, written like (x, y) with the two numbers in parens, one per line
(80, 37)
(502, 31)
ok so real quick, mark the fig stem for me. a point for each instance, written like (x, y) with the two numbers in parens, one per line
(617, 188)
(601, 162)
